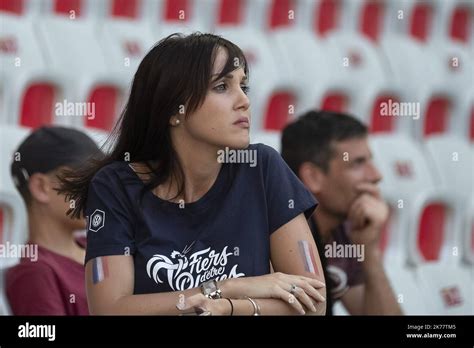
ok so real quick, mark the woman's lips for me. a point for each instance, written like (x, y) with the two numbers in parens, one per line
(242, 122)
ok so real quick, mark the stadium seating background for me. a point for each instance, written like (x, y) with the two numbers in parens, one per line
(344, 55)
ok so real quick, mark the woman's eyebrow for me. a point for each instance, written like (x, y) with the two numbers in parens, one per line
(229, 76)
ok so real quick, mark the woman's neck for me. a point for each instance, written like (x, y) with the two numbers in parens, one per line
(200, 168)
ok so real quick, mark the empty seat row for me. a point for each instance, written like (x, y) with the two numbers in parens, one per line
(427, 90)
(420, 19)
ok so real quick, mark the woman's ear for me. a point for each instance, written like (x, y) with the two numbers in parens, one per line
(40, 187)
(175, 121)
(311, 176)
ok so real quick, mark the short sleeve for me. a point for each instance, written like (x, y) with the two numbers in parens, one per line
(286, 196)
(34, 291)
(110, 217)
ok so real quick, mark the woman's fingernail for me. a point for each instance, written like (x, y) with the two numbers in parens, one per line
(180, 306)
(303, 312)
(314, 308)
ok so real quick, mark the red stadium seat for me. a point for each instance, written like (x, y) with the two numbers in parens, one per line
(174, 10)
(279, 13)
(328, 16)
(126, 8)
(421, 20)
(278, 114)
(372, 19)
(436, 117)
(66, 6)
(431, 231)
(12, 6)
(439, 20)
(230, 12)
(379, 122)
(335, 101)
(106, 99)
(37, 105)
(461, 23)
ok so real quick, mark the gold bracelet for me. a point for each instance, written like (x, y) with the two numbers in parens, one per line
(256, 307)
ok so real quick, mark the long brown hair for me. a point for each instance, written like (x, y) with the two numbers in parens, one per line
(176, 72)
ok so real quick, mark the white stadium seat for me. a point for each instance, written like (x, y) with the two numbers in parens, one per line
(370, 18)
(4, 305)
(270, 138)
(452, 164)
(463, 120)
(167, 16)
(125, 42)
(74, 51)
(319, 17)
(14, 225)
(428, 20)
(422, 72)
(29, 88)
(425, 228)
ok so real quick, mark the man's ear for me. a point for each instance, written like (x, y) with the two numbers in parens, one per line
(40, 187)
(312, 177)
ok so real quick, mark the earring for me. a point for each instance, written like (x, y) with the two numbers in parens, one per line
(177, 122)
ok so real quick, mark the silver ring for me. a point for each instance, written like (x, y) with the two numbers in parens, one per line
(293, 289)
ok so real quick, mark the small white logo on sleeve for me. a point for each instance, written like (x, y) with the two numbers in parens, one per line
(33, 331)
(96, 220)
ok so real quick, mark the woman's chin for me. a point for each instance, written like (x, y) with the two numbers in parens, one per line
(239, 143)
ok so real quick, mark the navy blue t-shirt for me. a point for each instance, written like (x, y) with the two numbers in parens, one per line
(224, 234)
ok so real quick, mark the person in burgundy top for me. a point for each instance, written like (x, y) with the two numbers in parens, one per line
(53, 282)
(329, 152)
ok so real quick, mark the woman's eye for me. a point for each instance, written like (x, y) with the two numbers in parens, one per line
(245, 88)
(220, 88)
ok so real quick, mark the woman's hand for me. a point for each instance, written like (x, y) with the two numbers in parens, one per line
(201, 305)
(293, 289)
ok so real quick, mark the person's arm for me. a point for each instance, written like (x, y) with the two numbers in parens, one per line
(376, 296)
(293, 251)
(112, 291)
(34, 290)
(367, 216)
(295, 259)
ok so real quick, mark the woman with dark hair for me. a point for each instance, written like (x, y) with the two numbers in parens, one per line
(183, 215)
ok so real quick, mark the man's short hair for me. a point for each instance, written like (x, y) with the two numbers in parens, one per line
(46, 150)
(311, 137)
